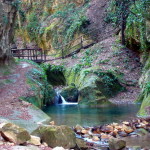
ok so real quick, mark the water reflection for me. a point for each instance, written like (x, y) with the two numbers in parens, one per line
(74, 114)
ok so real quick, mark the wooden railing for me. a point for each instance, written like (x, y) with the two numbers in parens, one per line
(36, 55)
(39, 55)
(76, 48)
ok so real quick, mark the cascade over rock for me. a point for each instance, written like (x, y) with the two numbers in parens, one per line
(70, 93)
(7, 20)
(92, 79)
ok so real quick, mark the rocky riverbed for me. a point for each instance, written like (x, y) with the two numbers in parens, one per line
(127, 135)
(133, 135)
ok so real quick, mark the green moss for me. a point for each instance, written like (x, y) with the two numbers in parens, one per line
(35, 100)
(144, 97)
(94, 85)
(43, 91)
(145, 104)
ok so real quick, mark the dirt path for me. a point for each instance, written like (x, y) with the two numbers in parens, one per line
(14, 87)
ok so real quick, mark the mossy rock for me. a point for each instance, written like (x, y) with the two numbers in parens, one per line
(43, 93)
(145, 107)
(15, 134)
(95, 86)
(70, 93)
(144, 97)
(57, 136)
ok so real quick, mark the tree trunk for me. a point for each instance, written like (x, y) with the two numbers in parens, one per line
(7, 20)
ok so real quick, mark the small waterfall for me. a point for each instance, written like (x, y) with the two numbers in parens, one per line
(66, 103)
(59, 100)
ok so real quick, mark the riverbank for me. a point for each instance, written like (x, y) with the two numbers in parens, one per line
(28, 116)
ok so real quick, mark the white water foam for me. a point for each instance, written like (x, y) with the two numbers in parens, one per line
(64, 102)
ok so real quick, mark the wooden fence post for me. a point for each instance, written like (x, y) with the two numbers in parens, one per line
(44, 55)
(28, 54)
(41, 54)
(81, 42)
(36, 54)
(62, 52)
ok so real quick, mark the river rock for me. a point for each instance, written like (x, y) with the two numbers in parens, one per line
(31, 147)
(105, 136)
(108, 129)
(13, 133)
(81, 144)
(95, 138)
(141, 132)
(116, 144)
(56, 136)
(58, 148)
(78, 128)
(35, 140)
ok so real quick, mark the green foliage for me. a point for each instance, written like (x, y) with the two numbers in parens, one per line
(57, 68)
(110, 82)
(73, 19)
(17, 4)
(33, 26)
(105, 61)
(136, 13)
(37, 79)
(87, 61)
(136, 27)
(78, 67)
(147, 87)
(5, 19)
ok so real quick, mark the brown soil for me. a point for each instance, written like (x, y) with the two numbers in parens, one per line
(9, 93)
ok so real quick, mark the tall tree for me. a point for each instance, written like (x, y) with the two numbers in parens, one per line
(122, 14)
(7, 20)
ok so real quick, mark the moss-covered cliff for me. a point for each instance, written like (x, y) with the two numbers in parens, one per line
(144, 97)
(51, 23)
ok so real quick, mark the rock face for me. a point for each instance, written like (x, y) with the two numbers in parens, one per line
(7, 20)
(14, 133)
(148, 30)
(57, 136)
(144, 97)
(46, 25)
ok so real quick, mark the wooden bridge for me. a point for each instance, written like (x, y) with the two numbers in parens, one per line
(40, 56)
(37, 55)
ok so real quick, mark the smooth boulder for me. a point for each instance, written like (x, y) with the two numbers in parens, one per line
(116, 144)
(54, 136)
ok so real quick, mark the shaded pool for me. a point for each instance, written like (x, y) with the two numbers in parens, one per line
(74, 114)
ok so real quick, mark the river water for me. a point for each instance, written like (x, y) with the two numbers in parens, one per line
(85, 116)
